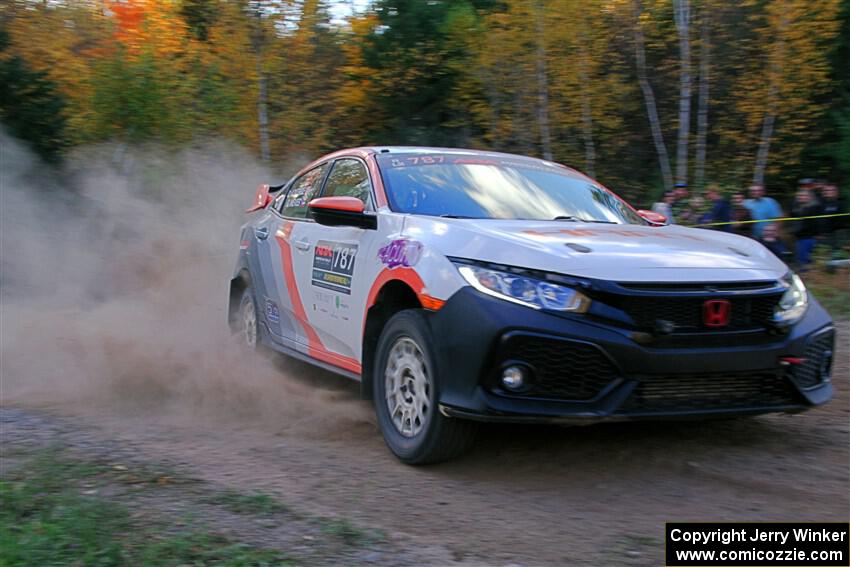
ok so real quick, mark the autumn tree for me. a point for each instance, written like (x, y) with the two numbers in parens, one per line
(755, 89)
(30, 106)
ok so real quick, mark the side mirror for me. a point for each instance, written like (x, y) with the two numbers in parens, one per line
(262, 198)
(653, 218)
(341, 211)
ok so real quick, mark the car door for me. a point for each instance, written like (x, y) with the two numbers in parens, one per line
(265, 262)
(332, 270)
(286, 246)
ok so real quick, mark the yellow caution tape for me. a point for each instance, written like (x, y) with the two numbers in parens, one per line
(769, 220)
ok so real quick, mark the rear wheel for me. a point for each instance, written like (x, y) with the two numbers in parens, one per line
(405, 390)
(248, 327)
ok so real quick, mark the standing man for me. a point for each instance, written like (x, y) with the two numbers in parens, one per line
(720, 210)
(681, 203)
(761, 207)
(665, 206)
(832, 205)
(741, 215)
(805, 230)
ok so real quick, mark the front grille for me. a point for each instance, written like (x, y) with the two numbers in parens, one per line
(808, 374)
(563, 369)
(683, 392)
(685, 313)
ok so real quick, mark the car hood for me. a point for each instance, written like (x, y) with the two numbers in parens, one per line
(628, 253)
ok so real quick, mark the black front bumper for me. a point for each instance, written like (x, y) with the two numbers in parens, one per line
(586, 369)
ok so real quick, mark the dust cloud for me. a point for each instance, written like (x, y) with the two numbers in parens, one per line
(113, 290)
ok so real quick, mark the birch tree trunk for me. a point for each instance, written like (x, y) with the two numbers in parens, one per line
(682, 14)
(262, 112)
(586, 115)
(769, 121)
(542, 86)
(258, 41)
(702, 110)
(649, 99)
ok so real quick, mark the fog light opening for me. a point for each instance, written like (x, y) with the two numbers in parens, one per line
(515, 377)
(826, 366)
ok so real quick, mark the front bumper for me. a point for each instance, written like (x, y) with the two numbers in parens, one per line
(589, 370)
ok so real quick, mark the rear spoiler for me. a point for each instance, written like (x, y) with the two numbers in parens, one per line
(263, 197)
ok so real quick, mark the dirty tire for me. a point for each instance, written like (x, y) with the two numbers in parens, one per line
(248, 321)
(405, 392)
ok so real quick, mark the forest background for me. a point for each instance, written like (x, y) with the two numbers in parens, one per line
(640, 94)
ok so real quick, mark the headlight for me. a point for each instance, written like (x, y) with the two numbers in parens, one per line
(526, 291)
(792, 306)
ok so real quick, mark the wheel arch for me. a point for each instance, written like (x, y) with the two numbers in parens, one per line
(394, 295)
(238, 284)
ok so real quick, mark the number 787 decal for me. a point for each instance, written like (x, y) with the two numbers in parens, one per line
(333, 265)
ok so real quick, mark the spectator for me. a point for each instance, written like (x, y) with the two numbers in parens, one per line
(832, 205)
(665, 206)
(807, 183)
(681, 204)
(805, 230)
(695, 210)
(811, 184)
(741, 214)
(770, 239)
(720, 210)
(761, 208)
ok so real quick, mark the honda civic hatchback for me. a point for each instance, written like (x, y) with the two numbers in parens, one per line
(463, 286)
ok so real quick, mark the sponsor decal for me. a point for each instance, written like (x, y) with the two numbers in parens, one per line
(272, 311)
(340, 310)
(400, 252)
(323, 296)
(333, 265)
(417, 160)
(438, 159)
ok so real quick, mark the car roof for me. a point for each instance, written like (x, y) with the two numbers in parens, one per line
(362, 151)
(441, 150)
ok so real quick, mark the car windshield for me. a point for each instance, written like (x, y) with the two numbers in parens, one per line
(496, 187)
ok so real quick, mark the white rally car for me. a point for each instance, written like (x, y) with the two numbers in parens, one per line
(460, 286)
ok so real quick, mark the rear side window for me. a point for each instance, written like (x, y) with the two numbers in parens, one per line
(349, 178)
(304, 189)
(278, 201)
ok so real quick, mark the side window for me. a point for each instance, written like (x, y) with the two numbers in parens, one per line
(278, 201)
(348, 178)
(302, 192)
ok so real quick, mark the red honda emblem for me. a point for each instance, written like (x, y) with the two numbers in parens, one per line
(715, 312)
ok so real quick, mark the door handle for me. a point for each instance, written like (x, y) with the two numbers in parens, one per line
(302, 244)
(262, 233)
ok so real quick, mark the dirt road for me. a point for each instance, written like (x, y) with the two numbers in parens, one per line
(113, 339)
(526, 495)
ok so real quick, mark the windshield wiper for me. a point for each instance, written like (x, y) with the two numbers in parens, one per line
(457, 217)
(565, 217)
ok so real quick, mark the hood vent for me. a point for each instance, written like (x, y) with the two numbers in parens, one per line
(578, 247)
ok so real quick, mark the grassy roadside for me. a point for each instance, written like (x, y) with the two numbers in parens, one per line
(57, 510)
(51, 513)
(831, 290)
(831, 286)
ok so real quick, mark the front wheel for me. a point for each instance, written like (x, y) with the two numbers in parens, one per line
(405, 390)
